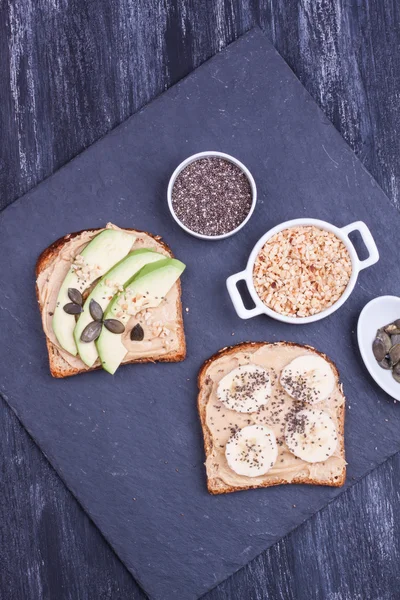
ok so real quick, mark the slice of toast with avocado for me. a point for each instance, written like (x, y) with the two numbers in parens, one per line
(108, 297)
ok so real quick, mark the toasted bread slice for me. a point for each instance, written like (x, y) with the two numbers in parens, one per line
(215, 484)
(59, 366)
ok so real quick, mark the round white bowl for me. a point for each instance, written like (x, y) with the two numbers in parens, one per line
(229, 158)
(377, 313)
(342, 233)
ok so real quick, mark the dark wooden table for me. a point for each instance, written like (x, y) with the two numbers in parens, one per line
(71, 70)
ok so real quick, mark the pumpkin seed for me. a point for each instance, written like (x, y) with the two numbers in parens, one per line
(381, 345)
(114, 325)
(137, 333)
(386, 348)
(382, 335)
(72, 309)
(386, 363)
(392, 329)
(91, 332)
(395, 339)
(96, 312)
(396, 373)
(394, 354)
(379, 349)
(75, 296)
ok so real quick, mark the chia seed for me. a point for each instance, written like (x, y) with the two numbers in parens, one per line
(211, 196)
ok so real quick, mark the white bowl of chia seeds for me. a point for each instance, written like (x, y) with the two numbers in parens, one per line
(211, 195)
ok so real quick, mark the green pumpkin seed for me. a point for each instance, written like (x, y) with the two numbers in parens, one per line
(114, 325)
(394, 354)
(396, 373)
(72, 309)
(91, 332)
(379, 349)
(96, 312)
(75, 296)
(392, 329)
(137, 333)
(386, 363)
(395, 339)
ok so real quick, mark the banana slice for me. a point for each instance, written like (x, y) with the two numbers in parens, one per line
(252, 451)
(245, 389)
(308, 378)
(311, 435)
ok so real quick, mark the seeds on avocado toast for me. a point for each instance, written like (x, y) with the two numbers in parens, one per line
(114, 325)
(75, 306)
(75, 296)
(137, 333)
(91, 331)
(72, 309)
(121, 256)
(96, 312)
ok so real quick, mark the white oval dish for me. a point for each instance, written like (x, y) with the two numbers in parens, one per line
(211, 154)
(377, 313)
(342, 233)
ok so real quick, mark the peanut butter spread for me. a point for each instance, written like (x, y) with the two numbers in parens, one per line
(160, 324)
(222, 422)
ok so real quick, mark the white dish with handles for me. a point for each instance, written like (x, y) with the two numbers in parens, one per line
(341, 232)
(376, 314)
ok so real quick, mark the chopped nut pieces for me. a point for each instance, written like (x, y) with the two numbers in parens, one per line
(132, 303)
(302, 271)
(85, 271)
(115, 286)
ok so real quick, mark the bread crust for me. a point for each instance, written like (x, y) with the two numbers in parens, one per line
(216, 485)
(59, 368)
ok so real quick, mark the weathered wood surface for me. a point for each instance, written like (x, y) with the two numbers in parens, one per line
(70, 71)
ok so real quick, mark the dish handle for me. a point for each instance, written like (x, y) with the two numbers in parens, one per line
(368, 240)
(237, 301)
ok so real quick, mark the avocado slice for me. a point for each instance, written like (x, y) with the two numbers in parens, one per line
(104, 292)
(103, 251)
(153, 283)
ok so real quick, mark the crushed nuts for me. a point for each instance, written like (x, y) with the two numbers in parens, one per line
(115, 286)
(301, 271)
(84, 270)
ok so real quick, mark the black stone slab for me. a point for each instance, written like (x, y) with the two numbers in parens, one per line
(130, 447)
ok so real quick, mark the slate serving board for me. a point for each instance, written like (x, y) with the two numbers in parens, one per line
(130, 447)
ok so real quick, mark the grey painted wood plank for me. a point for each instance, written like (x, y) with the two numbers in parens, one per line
(70, 72)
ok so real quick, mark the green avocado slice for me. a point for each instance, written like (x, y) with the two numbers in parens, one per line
(152, 284)
(104, 292)
(101, 253)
